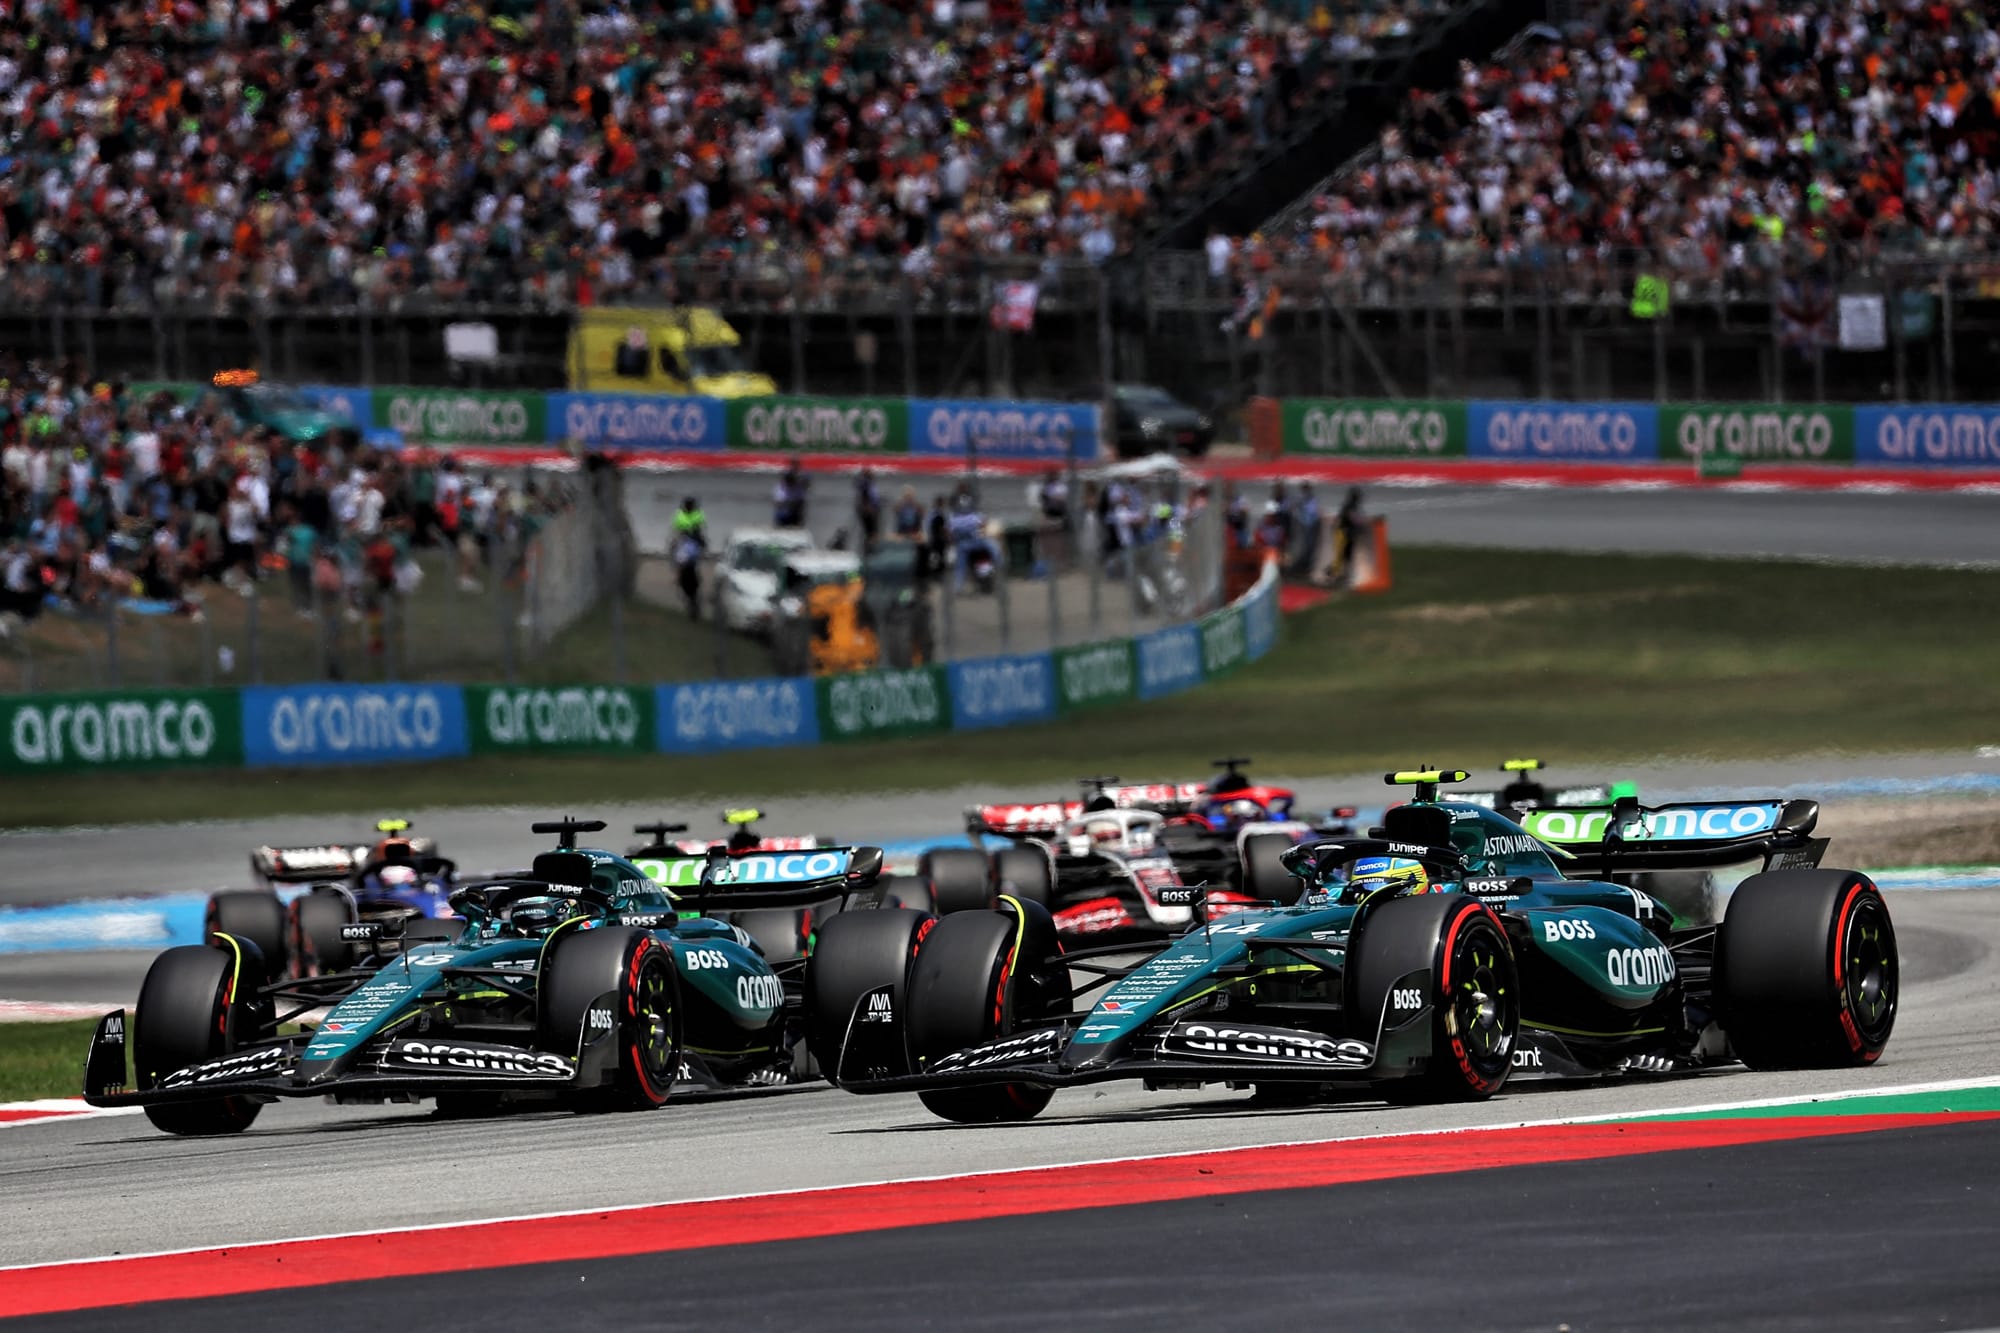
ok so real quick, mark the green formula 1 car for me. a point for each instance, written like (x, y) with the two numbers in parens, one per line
(1448, 951)
(582, 982)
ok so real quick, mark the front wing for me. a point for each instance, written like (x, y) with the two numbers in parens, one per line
(1205, 1049)
(392, 1066)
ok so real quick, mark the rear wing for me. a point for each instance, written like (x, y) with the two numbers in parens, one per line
(763, 879)
(1625, 835)
(299, 865)
(1032, 818)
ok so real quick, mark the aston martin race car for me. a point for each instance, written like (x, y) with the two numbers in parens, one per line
(1433, 960)
(396, 875)
(583, 983)
(1693, 894)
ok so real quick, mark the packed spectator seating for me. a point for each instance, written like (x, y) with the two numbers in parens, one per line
(107, 496)
(1718, 141)
(171, 152)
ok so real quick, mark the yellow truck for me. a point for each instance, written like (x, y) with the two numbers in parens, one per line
(639, 349)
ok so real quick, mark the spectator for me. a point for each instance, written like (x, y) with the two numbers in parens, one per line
(867, 508)
(788, 497)
(909, 515)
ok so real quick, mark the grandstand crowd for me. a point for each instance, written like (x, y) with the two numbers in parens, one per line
(173, 152)
(1706, 137)
(108, 495)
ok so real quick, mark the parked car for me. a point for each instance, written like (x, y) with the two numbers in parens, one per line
(753, 566)
(1149, 420)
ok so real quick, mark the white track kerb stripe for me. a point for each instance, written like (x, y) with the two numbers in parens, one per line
(1804, 1099)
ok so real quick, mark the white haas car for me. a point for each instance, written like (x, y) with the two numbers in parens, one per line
(1103, 874)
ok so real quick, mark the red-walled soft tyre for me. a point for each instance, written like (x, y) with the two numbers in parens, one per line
(1475, 993)
(1806, 970)
(979, 976)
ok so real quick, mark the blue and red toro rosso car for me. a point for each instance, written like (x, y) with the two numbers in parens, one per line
(397, 878)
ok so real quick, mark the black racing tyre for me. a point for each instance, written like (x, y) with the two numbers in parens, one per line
(854, 953)
(584, 964)
(781, 933)
(1475, 992)
(254, 915)
(980, 976)
(911, 891)
(1264, 876)
(195, 1005)
(1026, 873)
(317, 946)
(1688, 894)
(959, 878)
(1806, 970)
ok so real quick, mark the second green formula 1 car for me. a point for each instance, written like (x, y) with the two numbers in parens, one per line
(1447, 952)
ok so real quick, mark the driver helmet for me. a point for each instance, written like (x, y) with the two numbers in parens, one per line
(535, 915)
(392, 877)
(1105, 830)
(1399, 875)
(1240, 809)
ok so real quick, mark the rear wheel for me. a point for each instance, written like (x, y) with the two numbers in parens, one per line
(911, 891)
(1807, 972)
(855, 953)
(980, 976)
(253, 915)
(1026, 873)
(638, 971)
(959, 878)
(196, 1005)
(1474, 993)
(781, 932)
(317, 946)
(1264, 875)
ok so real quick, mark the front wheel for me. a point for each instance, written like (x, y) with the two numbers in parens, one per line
(980, 976)
(637, 973)
(1264, 875)
(1473, 992)
(194, 1006)
(1807, 973)
(959, 878)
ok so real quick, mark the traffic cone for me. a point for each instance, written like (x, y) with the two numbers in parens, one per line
(1371, 561)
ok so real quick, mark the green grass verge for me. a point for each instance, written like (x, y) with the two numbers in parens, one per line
(1472, 656)
(43, 1059)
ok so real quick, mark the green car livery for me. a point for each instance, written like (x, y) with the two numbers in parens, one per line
(1450, 950)
(583, 981)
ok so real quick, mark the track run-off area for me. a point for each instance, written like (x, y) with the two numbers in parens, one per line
(1845, 1199)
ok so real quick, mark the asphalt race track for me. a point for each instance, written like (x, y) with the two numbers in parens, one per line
(1830, 1234)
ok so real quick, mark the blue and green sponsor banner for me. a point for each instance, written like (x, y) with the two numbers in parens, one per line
(706, 716)
(301, 726)
(1054, 432)
(1260, 619)
(1573, 432)
(341, 400)
(1002, 691)
(636, 420)
(1928, 435)
(1169, 661)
